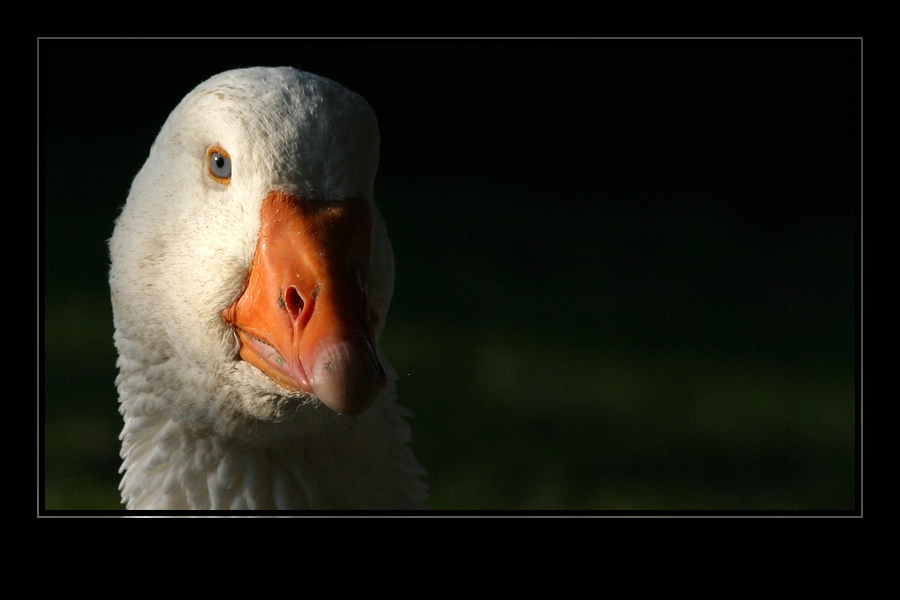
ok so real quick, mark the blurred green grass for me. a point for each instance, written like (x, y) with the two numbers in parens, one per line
(506, 420)
(81, 420)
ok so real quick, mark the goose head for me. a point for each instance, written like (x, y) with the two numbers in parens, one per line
(251, 271)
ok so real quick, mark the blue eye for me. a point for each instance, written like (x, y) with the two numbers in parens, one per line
(219, 165)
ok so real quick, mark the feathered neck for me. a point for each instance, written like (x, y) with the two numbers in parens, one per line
(339, 462)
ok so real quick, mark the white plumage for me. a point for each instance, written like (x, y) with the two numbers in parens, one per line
(251, 276)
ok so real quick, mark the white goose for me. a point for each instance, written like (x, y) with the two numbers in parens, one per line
(251, 276)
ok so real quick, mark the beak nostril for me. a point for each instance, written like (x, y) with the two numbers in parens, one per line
(292, 302)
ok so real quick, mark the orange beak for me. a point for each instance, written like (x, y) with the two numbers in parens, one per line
(304, 318)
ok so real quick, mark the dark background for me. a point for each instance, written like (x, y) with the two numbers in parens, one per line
(626, 270)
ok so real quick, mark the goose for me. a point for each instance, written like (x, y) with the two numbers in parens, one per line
(251, 275)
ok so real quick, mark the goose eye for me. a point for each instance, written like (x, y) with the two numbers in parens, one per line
(218, 165)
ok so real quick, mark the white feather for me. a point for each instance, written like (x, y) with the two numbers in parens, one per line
(204, 429)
